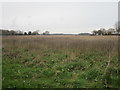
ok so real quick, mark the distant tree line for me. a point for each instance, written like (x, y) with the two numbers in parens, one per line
(110, 31)
(103, 31)
(13, 32)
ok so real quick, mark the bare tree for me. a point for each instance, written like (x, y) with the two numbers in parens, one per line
(35, 33)
(46, 33)
(95, 32)
(99, 32)
(117, 27)
(110, 31)
(102, 31)
(12, 32)
(19, 32)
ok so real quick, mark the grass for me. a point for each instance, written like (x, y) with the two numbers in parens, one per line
(60, 62)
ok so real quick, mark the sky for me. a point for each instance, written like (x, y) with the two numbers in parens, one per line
(59, 17)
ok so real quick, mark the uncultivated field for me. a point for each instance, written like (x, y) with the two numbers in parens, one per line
(58, 61)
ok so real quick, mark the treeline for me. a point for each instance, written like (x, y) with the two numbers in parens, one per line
(110, 31)
(101, 31)
(13, 32)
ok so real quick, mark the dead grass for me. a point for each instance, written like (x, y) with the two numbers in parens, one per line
(84, 43)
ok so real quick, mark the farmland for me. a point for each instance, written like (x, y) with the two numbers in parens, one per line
(58, 61)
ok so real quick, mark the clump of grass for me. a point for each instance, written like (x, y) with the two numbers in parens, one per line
(80, 83)
(92, 74)
(48, 73)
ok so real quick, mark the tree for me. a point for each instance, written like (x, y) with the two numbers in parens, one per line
(117, 27)
(99, 32)
(110, 31)
(46, 33)
(118, 30)
(12, 32)
(102, 31)
(95, 32)
(19, 32)
(25, 33)
(5, 32)
(29, 33)
(35, 33)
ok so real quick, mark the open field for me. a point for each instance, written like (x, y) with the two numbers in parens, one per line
(60, 61)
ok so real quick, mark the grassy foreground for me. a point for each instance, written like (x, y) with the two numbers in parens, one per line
(60, 62)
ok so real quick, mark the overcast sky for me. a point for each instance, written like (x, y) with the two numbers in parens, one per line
(59, 17)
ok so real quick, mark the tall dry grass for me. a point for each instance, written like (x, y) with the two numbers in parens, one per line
(83, 43)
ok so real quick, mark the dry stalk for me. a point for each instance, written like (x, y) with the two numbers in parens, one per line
(109, 60)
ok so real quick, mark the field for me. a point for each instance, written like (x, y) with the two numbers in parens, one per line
(58, 61)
